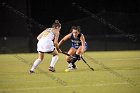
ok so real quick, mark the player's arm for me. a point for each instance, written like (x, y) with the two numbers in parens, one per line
(56, 41)
(82, 38)
(64, 39)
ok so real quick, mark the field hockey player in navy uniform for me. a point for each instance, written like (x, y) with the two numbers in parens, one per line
(78, 47)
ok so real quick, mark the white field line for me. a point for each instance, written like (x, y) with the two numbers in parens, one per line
(68, 86)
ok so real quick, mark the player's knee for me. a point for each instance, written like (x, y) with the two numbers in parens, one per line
(40, 59)
(55, 54)
(77, 57)
(68, 59)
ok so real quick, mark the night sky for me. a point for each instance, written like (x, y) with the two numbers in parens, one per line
(46, 11)
(122, 14)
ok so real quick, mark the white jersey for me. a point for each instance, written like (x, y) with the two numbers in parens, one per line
(45, 43)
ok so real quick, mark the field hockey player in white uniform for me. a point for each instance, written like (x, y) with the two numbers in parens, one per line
(48, 43)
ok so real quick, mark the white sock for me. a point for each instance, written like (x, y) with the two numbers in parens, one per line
(36, 63)
(54, 60)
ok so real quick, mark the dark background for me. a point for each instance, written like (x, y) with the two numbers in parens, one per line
(107, 25)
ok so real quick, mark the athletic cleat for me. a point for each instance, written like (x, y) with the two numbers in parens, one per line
(31, 72)
(52, 69)
(70, 65)
(67, 70)
(70, 69)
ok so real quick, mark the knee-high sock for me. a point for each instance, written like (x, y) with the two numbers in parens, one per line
(54, 60)
(75, 58)
(36, 63)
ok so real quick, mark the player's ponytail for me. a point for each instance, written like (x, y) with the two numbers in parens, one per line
(56, 21)
(56, 24)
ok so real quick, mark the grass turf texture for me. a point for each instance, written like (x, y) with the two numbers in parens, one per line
(115, 72)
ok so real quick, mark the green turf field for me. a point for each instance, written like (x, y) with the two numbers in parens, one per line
(115, 72)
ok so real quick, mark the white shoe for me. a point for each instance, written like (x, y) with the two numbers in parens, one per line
(69, 65)
(70, 69)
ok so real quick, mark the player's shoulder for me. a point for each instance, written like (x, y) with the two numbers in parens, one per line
(81, 34)
(49, 29)
(56, 33)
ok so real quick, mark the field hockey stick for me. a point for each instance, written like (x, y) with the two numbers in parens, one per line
(87, 63)
(65, 53)
(81, 58)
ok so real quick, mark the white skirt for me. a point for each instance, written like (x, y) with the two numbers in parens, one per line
(45, 45)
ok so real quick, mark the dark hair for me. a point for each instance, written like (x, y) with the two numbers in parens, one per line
(75, 28)
(56, 24)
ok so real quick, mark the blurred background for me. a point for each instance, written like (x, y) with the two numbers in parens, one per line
(107, 25)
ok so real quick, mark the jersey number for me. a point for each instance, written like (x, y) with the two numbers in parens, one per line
(45, 34)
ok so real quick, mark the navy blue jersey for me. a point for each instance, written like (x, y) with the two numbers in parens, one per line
(76, 42)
